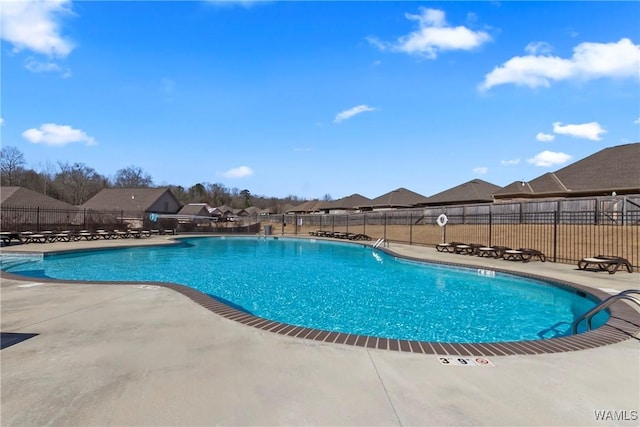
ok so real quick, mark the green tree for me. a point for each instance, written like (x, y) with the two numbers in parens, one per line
(246, 196)
(197, 194)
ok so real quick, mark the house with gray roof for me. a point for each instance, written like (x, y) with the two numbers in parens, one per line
(400, 198)
(349, 204)
(195, 209)
(474, 191)
(23, 209)
(312, 206)
(195, 213)
(24, 197)
(254, 210)
(614, 169)
(135, 200)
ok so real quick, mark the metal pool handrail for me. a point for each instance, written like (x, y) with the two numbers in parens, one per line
(604, 304)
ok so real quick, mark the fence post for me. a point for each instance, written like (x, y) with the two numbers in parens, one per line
(364, 223)
(410, 228)
(520, 213)
(38, 218)
(121, 218)
(385, 226)
(347, 224)
(555, 235)
(490, 226)
(333, 223)
(295, 222)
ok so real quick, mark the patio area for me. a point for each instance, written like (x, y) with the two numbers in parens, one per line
(135, 355)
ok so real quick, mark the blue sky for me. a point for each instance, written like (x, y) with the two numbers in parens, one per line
(314, 98)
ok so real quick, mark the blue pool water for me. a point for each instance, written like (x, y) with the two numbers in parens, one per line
(337, 287)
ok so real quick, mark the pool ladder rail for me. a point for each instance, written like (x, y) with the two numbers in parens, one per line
(604, 304)
(378, 243)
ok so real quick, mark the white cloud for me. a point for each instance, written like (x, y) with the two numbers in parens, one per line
(239, 172)
(347, 114)
(590, 131)
(510, 162)
(57, 135)
(36, 66)
(545, 137)
(549, 158)
(35, 25)
(589, 61)
(433, 36)
(637, 121)
(481, 170)
(1, 121)
(535, 48)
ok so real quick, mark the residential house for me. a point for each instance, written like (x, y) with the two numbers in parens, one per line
(195, 213)
(135, 200)
(612, 170)
(349, 204)
(470, 192)
(23, 209)
(400, 198)
(24, 197)
(311, 207)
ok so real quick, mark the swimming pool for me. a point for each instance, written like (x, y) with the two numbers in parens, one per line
(337, 287)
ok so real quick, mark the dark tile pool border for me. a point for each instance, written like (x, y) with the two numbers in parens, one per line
(623, 323)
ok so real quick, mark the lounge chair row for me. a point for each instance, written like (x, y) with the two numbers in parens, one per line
(339, 235)
(608, 263)
(69, 236)
(504, 252)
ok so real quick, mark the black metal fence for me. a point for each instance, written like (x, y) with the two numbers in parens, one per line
(20, 218)
(564, 236)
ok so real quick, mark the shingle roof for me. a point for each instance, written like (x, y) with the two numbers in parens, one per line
(24, 197)
(199, 209)
(474, 191)
(310, 206)
(127, 199)
(612, 169)
(398, 198)
(353, 201)
(253, 210)
(224, 209)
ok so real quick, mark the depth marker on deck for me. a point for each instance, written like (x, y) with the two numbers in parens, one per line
(465, 361)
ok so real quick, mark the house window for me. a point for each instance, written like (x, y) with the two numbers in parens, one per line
(166, 206)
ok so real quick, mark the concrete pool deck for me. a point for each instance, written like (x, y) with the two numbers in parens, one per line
(142, 355)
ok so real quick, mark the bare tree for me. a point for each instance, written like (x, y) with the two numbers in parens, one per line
(78, 182)
(132, 177)
(11, 165)
(219, 194)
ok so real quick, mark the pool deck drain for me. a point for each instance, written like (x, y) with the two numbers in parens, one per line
(123, 355)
